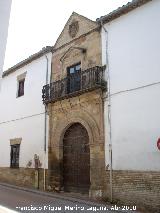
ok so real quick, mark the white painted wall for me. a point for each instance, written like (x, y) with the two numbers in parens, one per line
(134, 61)
(5, 6)
(23, 117)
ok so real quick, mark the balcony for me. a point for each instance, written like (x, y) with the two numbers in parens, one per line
(75, 84)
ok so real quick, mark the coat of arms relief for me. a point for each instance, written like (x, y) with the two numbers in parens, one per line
(73, 28)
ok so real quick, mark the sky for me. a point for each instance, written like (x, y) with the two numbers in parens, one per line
(35, 24)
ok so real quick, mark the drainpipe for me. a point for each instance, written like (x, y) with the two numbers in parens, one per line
(109, 113)
(45, 131)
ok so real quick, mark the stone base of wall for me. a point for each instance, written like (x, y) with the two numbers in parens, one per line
(141, 189)
(24, 177)
(136, 188)
(54, 182)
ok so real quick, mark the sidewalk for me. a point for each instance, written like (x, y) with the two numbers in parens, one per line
(74, 197)
(70, 197)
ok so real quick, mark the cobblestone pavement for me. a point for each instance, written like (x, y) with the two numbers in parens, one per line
(18, 200)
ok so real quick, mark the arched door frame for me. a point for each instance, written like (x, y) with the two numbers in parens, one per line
(86, 120)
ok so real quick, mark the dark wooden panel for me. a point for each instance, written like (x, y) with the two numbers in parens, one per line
(76, 159)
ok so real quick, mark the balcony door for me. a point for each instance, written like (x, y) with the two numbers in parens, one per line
(74, 78)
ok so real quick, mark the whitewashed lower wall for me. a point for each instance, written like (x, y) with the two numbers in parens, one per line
(135, 127)
(31, 130)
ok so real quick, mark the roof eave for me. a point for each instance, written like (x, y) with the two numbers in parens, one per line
(28, 60)
(122, 10)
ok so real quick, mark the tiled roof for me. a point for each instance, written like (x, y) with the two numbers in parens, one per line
(122, 10)
(28, 60)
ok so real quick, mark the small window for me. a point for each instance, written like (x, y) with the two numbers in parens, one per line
(15, 155)
(74, 68)
(21, 88)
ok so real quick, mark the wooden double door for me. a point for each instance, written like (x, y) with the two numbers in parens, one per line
(76, 159)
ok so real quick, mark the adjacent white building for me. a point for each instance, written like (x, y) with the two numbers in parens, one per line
(5, 7)
(134, 75)
(130, 49)
(22, 113)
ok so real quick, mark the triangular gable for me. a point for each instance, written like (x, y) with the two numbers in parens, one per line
(76, 26)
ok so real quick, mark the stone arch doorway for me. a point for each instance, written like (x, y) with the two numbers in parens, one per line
(76, 159)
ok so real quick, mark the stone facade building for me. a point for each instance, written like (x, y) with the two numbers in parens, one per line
(97, 142)
(76, 137)
(101, 109)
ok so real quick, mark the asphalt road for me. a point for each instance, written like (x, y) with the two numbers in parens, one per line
(16, 200)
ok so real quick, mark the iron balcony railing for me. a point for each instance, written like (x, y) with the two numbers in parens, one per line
(74, 84)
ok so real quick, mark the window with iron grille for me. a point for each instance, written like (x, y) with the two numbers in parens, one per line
(15, 155)
(21, 88)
